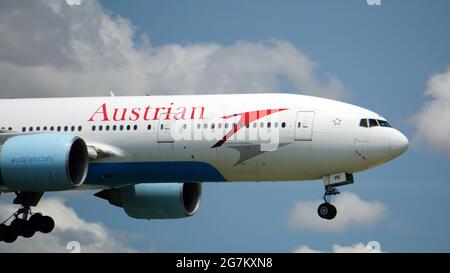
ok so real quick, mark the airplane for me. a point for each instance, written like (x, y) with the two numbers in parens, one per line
(150, 155)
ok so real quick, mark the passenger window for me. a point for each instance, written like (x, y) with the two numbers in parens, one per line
(121, 128)
(80, 128)
(52, 128)
(107, 128)
(135, 127)
(269, 124)
(24, 129)
(373, 122)
(72, 128)
(363, 123)
(283, 125)
(299, 124)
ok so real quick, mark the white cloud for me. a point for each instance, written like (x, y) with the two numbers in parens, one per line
(433, 121)
(355, 248)
(352, 212)
(73, 2)
(92, 236)
(51, 48)
(306, 249)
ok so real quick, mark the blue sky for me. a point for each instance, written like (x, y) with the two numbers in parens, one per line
(384, 57)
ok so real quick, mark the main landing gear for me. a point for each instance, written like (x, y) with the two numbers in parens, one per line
(326, 210)
(25, 223)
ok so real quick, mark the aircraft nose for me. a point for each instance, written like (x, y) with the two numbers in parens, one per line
(399, 143)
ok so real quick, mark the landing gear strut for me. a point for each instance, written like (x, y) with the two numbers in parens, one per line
(326, 210)
(25, 223)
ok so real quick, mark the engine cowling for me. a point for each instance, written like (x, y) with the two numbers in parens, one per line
(44, 162)
(156, 200)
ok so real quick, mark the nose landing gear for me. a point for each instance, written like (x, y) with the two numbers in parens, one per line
(25, 223)
(326, 210)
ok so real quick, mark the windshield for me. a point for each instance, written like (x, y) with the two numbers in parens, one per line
(373, 123)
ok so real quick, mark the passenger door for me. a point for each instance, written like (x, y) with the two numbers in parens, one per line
(304, 123)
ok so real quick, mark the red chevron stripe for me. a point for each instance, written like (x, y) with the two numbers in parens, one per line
(246, 119)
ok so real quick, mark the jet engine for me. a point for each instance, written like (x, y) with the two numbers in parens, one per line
(156, 200)
(43, 162)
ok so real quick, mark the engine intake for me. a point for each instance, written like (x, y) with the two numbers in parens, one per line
(44, 162)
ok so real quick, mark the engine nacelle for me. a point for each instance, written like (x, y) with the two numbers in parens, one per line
(156, 200)
(43, 162)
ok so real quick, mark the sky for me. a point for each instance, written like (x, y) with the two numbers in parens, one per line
(391, 58)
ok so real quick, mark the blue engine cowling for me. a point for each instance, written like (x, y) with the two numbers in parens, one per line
(156, 200)
(43, 162)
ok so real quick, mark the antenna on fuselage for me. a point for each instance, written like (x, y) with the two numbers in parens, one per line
(112, 93)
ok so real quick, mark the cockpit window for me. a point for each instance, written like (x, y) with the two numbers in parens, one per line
(373, 122)
(363, 123)
(384, 123)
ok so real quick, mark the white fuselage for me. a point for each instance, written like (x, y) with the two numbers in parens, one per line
(210, 138)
